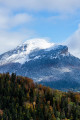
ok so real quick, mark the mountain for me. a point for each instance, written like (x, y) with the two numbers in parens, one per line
(47, 63)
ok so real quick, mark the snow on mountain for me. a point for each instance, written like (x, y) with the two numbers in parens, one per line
(44, 62)
(38, 43)
(21, 53)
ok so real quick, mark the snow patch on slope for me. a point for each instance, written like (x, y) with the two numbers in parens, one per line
(65, 69)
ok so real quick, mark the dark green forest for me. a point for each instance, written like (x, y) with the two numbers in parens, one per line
(22, 99)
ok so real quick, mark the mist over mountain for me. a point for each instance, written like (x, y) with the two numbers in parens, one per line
(73, 43)
(47, 63)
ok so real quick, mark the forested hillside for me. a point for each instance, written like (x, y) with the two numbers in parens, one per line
(21, 99)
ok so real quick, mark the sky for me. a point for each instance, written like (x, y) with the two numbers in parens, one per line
(55, 20)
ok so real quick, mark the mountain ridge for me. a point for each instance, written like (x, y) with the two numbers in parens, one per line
(43, 63)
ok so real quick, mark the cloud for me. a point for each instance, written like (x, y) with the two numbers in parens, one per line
(15, 15)
(8, 21)
(10, 35)
(73, 43)
(55, 18)
(9, 40)
(19, 19)
(39, 5)
(13, 28)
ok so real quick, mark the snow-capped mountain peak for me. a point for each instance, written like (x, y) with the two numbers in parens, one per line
(21, 53)
(44, 62)
(37, 43)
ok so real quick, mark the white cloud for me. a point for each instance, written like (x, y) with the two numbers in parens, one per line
(73, 43)
(10, 34)
(8, 21)
(19, 19)
(9, 40)
(11, 16)
(54, 18)
(3, 21)
(38, 5)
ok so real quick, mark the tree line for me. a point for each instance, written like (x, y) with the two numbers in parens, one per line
(22, 99)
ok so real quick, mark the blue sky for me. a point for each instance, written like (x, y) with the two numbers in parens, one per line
(56, 20)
